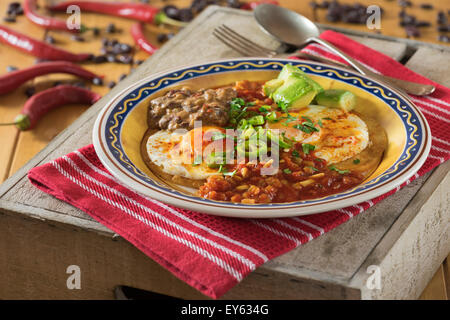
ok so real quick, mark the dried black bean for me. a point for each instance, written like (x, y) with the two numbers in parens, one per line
(171, 11)
(111, 84)
(412, 31)
(325, 4)
(198, 5)
(97, 81)
(161, 37)
(443, 38)
(96, 31)
(76, 37)
(441, 18)
(29, 91)
(19, 11)
(443, 28)
(185, 15)
(404, 3)
(314, 5)
(11, 68)
(123, 76)
(139, 62)
(351, 17)
(10, 19)
(408, 20)
(111, 58)
(125, 59)
(14, 5)
(234, 4)
(99, 59)
(49, 39)
(422, 24)
(426, 6)
(125, 48)
(111, 28)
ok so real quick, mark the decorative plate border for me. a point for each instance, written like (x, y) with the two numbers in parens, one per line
(110, 122)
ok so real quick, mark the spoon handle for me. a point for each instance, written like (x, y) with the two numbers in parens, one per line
(413, 87)
(355, 64)
(407, 86)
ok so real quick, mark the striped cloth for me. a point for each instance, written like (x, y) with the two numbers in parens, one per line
(211, 253)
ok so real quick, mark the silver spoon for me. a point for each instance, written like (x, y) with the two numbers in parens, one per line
(292, 28)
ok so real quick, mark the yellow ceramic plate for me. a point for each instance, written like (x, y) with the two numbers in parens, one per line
(121, 125)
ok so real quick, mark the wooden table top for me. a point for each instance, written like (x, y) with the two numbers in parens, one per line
(19, 147)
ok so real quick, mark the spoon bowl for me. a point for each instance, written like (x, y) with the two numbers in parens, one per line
(295, 29)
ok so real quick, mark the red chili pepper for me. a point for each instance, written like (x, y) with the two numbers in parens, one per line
(38, 48)
(30, 9)
(137, 11)
(253, 4)
(41, 103)
(137, 32)
(14, 79)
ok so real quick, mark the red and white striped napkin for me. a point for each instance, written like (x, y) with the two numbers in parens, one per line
(211, 253)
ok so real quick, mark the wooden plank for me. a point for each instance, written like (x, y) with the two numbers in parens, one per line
(436, 290)
(352, 241)
(436, 68)
(11, 104)
(424, 221)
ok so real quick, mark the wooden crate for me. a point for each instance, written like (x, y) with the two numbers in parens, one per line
(406, 234)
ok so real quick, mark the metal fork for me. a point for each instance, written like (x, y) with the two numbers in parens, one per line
(243, 45)
(247, 47)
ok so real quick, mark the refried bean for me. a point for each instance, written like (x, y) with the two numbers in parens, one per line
(180, 108)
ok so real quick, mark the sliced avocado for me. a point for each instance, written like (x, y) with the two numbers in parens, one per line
(296, 92)
(272, 85)
(289, 69)
(336, 98)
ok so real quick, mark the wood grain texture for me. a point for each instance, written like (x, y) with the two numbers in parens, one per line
(322, 268)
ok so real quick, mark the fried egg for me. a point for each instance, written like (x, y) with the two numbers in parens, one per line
(179, 152)
(337, 135)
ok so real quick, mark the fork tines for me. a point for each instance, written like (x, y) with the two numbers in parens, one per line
(240, 43)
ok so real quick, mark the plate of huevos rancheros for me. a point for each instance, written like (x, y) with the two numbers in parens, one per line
(261, 138)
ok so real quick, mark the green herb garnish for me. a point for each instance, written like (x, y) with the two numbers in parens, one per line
(229, 173)
(307, 148)
(356, 161)
(337, 170)
(314, 169)
(264, 109)
(295, 153)
(307, 119)
(287, 171)
(197, 160)
(282, 105)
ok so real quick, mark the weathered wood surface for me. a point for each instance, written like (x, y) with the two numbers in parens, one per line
(331, 266)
